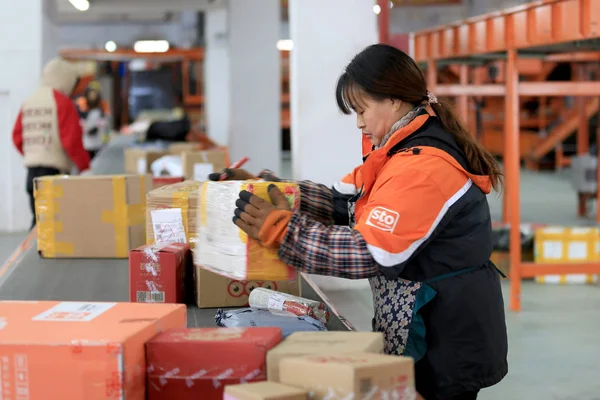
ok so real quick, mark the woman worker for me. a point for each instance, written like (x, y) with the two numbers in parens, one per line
(418, 228)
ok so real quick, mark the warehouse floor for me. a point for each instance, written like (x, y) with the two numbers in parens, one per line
(554, 347)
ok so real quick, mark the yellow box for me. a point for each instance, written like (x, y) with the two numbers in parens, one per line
(564, 245)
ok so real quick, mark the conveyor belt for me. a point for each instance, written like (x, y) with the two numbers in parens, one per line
(27, 276)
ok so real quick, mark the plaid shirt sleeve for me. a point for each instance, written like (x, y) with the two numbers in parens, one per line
(317, 201)
(314, 248)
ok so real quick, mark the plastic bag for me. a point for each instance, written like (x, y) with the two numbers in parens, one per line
(272, 300)
(252, 317)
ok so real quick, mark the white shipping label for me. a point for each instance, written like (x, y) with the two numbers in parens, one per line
(168, 226)
(202, 170)
(276, 302)
(142, 166)
(74, 312)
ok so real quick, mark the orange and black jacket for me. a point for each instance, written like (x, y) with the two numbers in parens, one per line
(416, 212)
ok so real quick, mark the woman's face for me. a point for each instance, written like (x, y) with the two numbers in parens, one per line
(375, 118)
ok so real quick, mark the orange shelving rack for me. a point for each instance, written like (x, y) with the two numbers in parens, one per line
(551, 30)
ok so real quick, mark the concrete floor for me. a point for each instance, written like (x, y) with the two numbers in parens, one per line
(554, 345)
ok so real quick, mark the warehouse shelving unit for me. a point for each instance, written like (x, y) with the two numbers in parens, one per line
(551, 30)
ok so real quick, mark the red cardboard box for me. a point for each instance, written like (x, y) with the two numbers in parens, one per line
(157, 273)
(198, 363)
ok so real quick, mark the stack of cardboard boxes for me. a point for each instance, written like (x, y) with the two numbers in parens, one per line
(85, 350)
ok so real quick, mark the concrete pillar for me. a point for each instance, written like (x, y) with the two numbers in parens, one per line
(33, 39)
(217, 76)
(326, 144)
(255, 112)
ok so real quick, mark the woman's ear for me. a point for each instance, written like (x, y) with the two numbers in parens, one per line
(396, 104)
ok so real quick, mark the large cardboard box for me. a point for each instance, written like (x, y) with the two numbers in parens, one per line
(171, 213)
(322, 343)
(213, 290)
(139, 160)
(225, 249)
(157, 273)
(264, 391)
(73, 350)
(90, 216)
(190, 364)
(360, 376)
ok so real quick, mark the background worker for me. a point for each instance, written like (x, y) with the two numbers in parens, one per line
(416, 224)
(94, 113)
(47, 131)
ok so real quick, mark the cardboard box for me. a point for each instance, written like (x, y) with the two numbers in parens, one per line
(198, 363)
(139, 160)
(322, 343)
(90, 216)
(361, 376)
(198, 165)
(564, 245)
(225, 249)
(213, 290)
(180, 147)
(73, 351)
(264, 391)
(160, 181)
(176, 222)
(157, 273)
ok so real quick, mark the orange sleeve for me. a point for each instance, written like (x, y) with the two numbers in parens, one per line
(404, 212)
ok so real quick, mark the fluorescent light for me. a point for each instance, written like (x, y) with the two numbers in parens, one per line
(81, 5)
(110, 46)
(151, 46)
(376, 9)
(391, 4)
(285, 45)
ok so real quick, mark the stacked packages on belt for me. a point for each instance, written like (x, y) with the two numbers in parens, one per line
(171, 213)
(225, 249)
(276, 301)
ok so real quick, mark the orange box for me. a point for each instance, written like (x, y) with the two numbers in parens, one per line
(79, 350)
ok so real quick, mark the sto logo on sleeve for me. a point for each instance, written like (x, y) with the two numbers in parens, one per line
(383, 218)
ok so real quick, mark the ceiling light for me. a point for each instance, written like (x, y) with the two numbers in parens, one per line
(110, 46)
(376, 9)
(151, 46)
(81, 5)
(285, 45)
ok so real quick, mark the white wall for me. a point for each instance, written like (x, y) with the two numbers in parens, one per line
(21, 56)
(51, 31)
(217, 76)
(254, 29)
(326, 145)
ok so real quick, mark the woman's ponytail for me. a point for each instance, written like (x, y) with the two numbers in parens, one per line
(480, 160)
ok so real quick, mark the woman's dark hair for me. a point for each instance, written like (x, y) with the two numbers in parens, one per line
(385, 72)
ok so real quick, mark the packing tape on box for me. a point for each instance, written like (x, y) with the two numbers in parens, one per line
(181, 200)
(46, 192)
(125, 215)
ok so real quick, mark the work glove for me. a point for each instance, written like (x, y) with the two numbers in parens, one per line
(260, 219)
